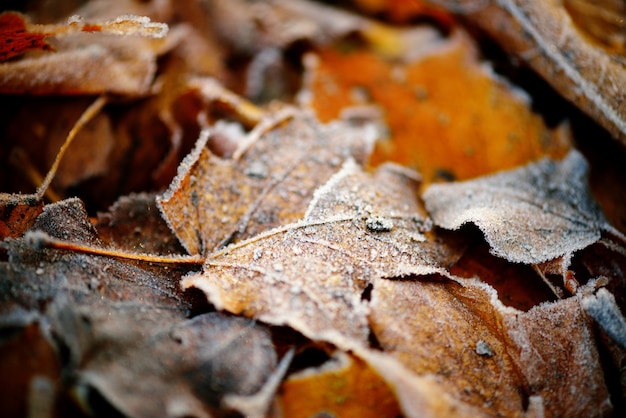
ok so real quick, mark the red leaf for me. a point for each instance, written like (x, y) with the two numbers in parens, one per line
(15, 38)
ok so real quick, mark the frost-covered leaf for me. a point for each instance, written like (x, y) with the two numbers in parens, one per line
(450, 330)
(529, 215)
(269, 182)
(121, 331)
(576, 45)
(100, 63)
(314, 274)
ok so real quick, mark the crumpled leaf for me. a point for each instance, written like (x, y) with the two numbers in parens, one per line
(214, 201)
(450, 330)
(313, 275)
(528, 215)
(490, 356)
(111, 321)
(548, 35)
(100, 63)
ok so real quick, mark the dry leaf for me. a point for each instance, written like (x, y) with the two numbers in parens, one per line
(343, 386)
(29, 359)
(452, 331)
(15, 39)
(134, 223)
(100, 63)
(214, 201)
(586, 69)
(112, 320)
(444, 111)
(559, 358)
(528, 215)
(315, 275)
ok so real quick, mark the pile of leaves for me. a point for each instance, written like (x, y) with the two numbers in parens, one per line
(284, 208)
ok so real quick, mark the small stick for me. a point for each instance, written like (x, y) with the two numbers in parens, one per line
(87, 115)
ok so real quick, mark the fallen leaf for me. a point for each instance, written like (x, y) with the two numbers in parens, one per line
(444, 111)
(100, 63)
(452, 331)
(134, 223)
(314, 274)
(559, 358)
(214, 201)
(343, 386)
(111, 320)
(547, 36)
(16, 39)
(18, 213)
(29, 358)
(528, 215)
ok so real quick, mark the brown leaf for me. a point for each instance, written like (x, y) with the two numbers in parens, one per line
(134, 223)
(111, 320)
(313, 275)
(18, 213)
(100, 63)
(528, 215)
(559, 358)
(451, 331)
(580, 66)
(214, 201)
(28, 357)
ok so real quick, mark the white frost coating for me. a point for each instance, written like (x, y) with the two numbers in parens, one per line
(588, 89)
(528, 215)
(491, 292)
(349, 167)
(183, 168)
(603, 309)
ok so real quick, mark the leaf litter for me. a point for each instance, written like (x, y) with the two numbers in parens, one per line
(318, 243)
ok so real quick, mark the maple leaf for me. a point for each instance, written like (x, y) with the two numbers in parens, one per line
(269, 182)
(313, 274)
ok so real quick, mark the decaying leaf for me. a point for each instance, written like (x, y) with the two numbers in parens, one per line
(452, 331)
(296, 242)
(343, 386)
(559, 358)
(313, 274)
(444, 112)
(528, 215)
(15, 39)
(120, 324)
(214, 201)
(100, 63)
(584, 68)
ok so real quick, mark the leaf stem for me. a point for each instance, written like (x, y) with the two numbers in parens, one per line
(42, 240)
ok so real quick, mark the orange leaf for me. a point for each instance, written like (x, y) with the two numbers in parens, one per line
(345, 388)
(447, 115)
